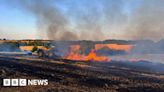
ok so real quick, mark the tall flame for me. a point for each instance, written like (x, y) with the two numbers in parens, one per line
(74, 52)
(92, 56)
(75, 55)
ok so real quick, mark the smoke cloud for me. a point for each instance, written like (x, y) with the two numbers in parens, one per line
(96, 19)
(146, 21)
(48, 17)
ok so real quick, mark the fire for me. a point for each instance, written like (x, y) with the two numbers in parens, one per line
(92, 56)
(126, 48)
(74, 54)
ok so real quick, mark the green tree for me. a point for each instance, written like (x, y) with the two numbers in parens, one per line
(35, 48)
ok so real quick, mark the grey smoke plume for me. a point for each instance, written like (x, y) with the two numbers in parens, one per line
(96, 19)
(89, 19)
(146, 21)
(48, 18)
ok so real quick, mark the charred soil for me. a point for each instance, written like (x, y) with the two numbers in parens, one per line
(68, 76)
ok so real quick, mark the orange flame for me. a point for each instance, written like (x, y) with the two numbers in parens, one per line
(126, 48)
(74, 52)
(92, 56)
(74, 55)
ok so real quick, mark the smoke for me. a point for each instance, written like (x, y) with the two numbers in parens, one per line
(49, 19)
(79, 22)
(146, 21)
(96, 19)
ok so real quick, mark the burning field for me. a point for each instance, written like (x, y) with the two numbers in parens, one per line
(74, 54)
(71, 66)
(74, 73)
(86, 46)
(82, 66)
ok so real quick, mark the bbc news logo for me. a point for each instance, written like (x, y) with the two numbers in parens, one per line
(24, 82)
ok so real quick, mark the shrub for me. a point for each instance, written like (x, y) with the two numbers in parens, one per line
(35, 48)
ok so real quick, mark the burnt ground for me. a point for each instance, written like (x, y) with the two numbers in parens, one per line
(73, 76)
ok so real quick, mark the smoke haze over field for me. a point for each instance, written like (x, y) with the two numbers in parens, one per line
(96, 19)
(147, 20)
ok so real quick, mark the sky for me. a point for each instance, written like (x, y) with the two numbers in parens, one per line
(110, 16)
(14, 24)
